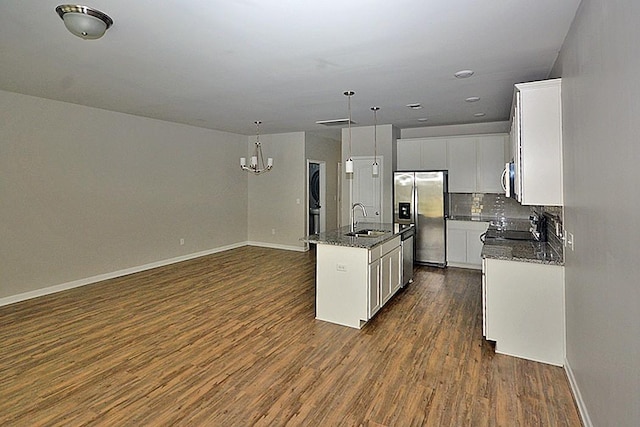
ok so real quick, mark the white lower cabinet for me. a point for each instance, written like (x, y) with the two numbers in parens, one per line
(391, 273)
(523, 312)
(353, 283)
(463, 243)
(375, 297)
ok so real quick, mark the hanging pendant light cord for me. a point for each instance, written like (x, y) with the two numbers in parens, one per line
(349, 94)
(375, 134)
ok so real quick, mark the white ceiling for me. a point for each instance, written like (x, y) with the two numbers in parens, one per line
(222, 64)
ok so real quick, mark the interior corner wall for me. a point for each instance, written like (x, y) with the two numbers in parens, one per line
(276, 214)
(87, 192)
(318, 147)
(598, 64)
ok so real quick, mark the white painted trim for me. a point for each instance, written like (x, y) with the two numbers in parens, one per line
(464, 265)
(99, 278)
(582, 407)
(277, 246)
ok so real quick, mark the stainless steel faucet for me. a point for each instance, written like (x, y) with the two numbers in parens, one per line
(353, 216)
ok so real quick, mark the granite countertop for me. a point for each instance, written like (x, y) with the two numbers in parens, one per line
(521, 250)
(338, 237)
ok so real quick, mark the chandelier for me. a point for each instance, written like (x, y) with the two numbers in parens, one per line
(257, 160)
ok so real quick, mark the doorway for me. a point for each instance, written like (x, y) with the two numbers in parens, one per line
(316, 195)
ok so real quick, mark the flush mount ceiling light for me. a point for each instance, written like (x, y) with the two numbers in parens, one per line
(463, 74)
(479, 115)
(83, 21)
(415, 106)
(473, 99)
(257, 160)
(423, 119)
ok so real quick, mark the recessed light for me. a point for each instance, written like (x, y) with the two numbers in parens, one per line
(473, 99)
(463, 74)
(423, 119)
(479, 114)
(415, 106)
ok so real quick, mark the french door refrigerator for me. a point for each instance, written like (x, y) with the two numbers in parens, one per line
(420, 198)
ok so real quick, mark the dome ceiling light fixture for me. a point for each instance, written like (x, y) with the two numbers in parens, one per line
(463, 74)
(83, 21)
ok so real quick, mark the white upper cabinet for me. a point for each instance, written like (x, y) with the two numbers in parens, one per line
(475, 162)
(491, 160)
(422, 154)
(537, 142)
(462, 164)
(409, 154)
(433, 155)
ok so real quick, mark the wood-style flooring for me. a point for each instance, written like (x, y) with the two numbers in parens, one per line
(231, 340)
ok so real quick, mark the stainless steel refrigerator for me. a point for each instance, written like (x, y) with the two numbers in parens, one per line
(420, 198)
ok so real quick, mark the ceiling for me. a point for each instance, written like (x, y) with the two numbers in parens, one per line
(222, 64)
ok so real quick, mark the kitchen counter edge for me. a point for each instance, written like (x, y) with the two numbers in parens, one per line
(338, 236)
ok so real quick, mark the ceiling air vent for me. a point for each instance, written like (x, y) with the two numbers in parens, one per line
(335, 122)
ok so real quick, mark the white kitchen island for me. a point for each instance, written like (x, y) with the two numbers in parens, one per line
(356, 276)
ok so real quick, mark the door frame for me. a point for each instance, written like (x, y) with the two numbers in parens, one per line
(323, 194)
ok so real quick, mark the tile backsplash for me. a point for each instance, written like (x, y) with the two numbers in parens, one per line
(487, 207)
(506, 212)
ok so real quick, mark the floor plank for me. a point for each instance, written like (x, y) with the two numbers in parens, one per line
(231, 340)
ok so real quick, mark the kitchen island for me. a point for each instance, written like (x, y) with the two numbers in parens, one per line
(357, 274)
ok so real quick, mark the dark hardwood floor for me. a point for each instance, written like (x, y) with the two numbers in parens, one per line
(231, 340)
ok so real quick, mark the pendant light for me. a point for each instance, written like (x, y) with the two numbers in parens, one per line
(257, 160)
(348, 166)
(375, 167)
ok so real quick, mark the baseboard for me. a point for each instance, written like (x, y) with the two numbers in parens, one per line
(582, 407)
(464, 265)
(276, 246)
(94, 279)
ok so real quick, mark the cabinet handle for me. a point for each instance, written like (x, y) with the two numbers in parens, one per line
(503, 179)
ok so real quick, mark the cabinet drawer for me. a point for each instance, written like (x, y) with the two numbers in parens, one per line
(375, 253)
(390, 245)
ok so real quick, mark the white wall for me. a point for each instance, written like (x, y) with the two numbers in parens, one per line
(453, 130)
(86, 192)
(601, 127)
(277, 198)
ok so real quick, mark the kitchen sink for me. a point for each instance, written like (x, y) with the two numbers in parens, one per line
(367, 233)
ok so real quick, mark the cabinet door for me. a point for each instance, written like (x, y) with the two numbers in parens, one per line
(374, 300)
(456, 246)
(434, 154)
(462, 164)
(484, 299)
(409, 154)
(474, 248)
(385, 278)
(396, 269)
(541, 143)
(490, 163)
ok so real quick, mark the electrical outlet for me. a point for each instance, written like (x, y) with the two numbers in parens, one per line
(273, 231)
(341, 267)
(181, 241)
(570, 241)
